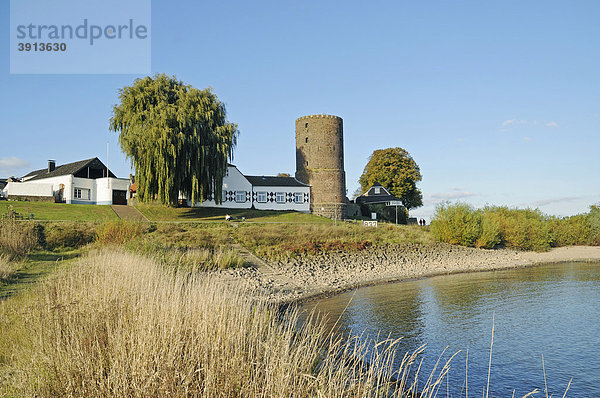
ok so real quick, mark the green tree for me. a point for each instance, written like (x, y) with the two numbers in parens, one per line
(177, 138)
(396, 170)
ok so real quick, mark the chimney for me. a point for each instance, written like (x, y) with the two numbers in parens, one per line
(51, 165)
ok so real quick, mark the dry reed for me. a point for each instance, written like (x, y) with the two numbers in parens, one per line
(17, 238)
(8, 267)
(117, 324)
(121, 325)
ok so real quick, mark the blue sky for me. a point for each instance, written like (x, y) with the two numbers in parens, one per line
(498, 102)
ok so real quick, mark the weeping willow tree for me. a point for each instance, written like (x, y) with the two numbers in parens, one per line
(177, 138)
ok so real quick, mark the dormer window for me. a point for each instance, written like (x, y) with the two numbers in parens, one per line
(377, 190)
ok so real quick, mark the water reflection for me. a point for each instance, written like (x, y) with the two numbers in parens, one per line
(550, 310)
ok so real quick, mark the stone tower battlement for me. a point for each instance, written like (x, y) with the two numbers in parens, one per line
(320, 163)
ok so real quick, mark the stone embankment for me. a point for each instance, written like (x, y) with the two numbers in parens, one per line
(330, 273)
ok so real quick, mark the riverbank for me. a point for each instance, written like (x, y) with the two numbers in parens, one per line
(307, 277)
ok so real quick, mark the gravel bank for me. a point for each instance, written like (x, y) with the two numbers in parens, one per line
(306, 277)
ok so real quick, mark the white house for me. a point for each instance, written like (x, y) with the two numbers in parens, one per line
(83, 182)
(262, 192)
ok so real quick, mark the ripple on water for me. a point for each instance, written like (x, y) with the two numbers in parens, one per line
(551, 310)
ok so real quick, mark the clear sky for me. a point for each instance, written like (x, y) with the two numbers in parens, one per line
(497, 101)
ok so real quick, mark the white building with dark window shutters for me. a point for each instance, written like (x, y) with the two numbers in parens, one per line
(262, 192)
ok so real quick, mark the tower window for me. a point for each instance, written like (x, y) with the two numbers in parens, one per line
(307, 162)
(306, 125)
(334, 147)
(306, 139)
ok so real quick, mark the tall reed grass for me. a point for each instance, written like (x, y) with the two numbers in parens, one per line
(190, 259)
(17, 238)
(119, 232)
(120, 325)
(8, 267)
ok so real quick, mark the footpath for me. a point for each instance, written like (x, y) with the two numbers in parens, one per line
(129, 213)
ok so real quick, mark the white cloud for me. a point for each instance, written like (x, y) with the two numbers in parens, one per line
(545, 202)
(455, 194)
(515, 122)
(510, 122)
(12, 164)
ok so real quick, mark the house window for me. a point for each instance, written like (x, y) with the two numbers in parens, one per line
(280, 197)
(240, 196)
(81, 193)
(377, 190)
(261, 197)
(298, 197)
(223, 196)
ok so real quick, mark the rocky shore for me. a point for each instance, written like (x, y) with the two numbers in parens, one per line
(305, 277)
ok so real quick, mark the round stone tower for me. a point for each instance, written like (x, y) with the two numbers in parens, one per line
(320, 163)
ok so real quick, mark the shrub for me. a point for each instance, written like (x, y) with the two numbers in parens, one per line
(593, 219)
(568, 231)
(491, 232)
(17, 238)
(119, 232)
(68, 235)
(522, 229)
(457, 224)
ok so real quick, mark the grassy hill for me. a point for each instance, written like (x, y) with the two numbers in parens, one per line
(58, 211)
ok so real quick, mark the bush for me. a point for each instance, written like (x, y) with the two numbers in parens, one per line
(17, 238)
(570, 231)
(593, 219)
(119, 232)
(490, 227)
(457, 224)
(491, 232)
(68, 235)
(522, 229)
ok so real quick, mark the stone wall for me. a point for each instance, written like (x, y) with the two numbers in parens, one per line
(32, 198)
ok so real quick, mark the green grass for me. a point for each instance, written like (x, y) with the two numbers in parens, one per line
(163, 213)
(59, 211)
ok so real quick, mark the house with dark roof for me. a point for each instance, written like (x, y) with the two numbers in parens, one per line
(261, 192)
(377, 194)
(86, 181)
(3, 183)
(380, 201)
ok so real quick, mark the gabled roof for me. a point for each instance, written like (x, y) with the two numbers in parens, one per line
(376, 199)
(382, 190)
(66, 169)
(272, 181)
(371, 197)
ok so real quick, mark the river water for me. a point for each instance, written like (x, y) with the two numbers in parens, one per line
(551, 310)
